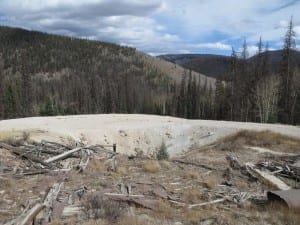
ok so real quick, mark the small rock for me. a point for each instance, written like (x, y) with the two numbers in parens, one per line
(208, 221)
(178, 223)
(122, 133)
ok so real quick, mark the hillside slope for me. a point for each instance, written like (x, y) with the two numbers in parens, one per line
(45, 74)
(211, 65)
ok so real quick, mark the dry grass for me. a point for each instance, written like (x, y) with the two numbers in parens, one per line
(56, 222)
(121, 170)
(100, 207)
(264, 138)
(164, 211)
(15, 138)
(140, 220)
(211, 181)
(9, 185)
(96, 166)
(151, 166)
(283, 214)
(191, 174)
(193, 196)
(195, 216)
(165, 164)
(96, 222)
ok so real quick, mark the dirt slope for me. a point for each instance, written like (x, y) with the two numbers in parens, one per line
(135, 132)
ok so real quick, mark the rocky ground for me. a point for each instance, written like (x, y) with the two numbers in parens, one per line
(210, 181)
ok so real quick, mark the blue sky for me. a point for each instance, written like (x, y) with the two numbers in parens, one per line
(160, 26)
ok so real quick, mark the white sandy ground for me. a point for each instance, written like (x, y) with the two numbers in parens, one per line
(135, 131)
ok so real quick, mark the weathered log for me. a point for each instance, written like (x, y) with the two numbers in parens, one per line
(139, 200)
(72, 210)
(32, 214)
(27, 217)
(267, 177)
(85, 158)
(63, 155)
(49, 201)
(209, 203)
(123, 195)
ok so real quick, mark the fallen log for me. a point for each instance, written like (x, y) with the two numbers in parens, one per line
(32, 214)
(49, 201)
(64, 155)
(29, 215)
(267, 177)
(72, 210)
(139, 200)
(123, 195)
(208, 203)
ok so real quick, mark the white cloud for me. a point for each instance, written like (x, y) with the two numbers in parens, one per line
(158, 25)
(251, 50)
(213, 46)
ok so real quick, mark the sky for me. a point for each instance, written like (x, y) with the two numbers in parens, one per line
(161, 26)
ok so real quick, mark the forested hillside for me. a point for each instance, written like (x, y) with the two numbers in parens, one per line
(42, 74)
(257, 90)
(261, 88)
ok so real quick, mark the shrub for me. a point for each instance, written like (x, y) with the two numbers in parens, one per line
(162, 153)
(99, 207)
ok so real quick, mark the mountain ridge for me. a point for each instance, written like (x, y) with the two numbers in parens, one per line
(218, 65)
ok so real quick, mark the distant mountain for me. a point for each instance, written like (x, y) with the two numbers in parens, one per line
(211, 65)
(218, 65)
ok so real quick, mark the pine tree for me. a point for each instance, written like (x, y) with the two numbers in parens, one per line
(243, 88)
(219, 100)
(181, 102)
(26, 92)
(233, 83)
(189, 97)
(1, 89)
(254, 79)
(286, 100)
(10, 102)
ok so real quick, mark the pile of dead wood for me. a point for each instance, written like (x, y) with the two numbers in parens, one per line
(270, 171)
(49, 157)
(44, 157)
